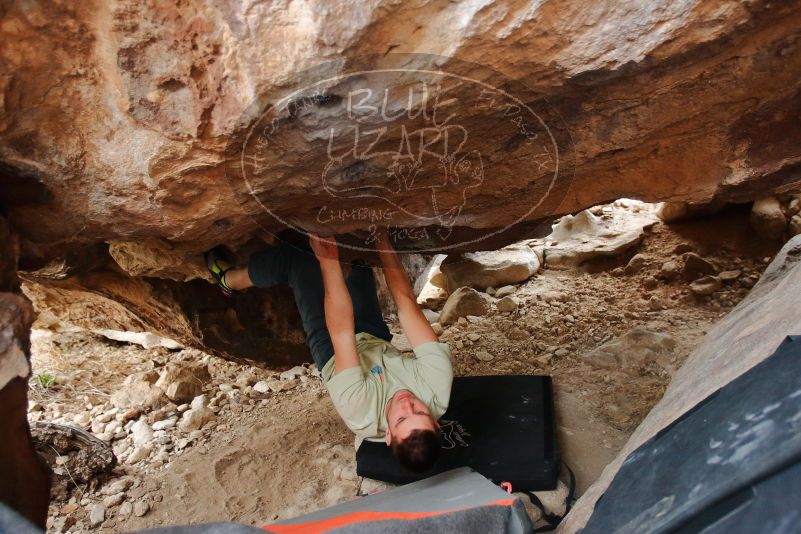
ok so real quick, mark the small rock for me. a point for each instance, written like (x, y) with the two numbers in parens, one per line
(504, 291)
(561, 352)
(261, 386)
(636, 264)
(431, 315)
(472, 336)
(794, 228)
(195, 418)
(225, 388)
(730, 276)
(696, 266)
(656, 304)
(507, 304)
(490, 291)
(125, 510)
(82, 419)
(437, 328)
(165, 424)
(141, 432)
(140, 508)
(113, 500)
(97, 514)
(139, 454)
(117, 486)
(293, 373)
(682, 248)
(483, 356)
(464, 301)
(201, 401)
(670, 270)
(705, 285)
(650, 283)
(767, 218)
(517, 334)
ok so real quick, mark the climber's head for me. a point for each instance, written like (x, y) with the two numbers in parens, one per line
(412, 431)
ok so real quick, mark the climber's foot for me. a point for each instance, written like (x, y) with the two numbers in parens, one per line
(218, 266)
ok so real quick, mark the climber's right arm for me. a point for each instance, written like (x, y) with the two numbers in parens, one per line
(338, 306)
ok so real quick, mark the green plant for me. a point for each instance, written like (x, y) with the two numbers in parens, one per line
(45, 380)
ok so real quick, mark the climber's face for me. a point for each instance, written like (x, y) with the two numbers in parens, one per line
(406, 413)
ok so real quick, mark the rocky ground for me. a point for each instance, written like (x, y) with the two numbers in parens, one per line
(201, 439)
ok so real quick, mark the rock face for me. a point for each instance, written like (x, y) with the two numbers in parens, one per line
(126, 128)
(742, 339)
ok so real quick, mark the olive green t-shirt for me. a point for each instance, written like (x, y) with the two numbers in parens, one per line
(360, 394)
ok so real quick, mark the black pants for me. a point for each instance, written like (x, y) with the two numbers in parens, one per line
(299, 269)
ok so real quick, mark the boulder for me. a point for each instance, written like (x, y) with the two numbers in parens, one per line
(633, 351)
(577, 239)
(479, 270)
(158, 112)
(767, 218)
(463, 302)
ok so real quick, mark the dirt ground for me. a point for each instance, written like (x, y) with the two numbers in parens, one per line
(275, 455)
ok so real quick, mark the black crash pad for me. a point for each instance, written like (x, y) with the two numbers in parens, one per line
(501, 426)
(731, 464)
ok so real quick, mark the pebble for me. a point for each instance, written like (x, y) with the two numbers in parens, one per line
(472, 336)
(293, 373)
(125, 510)
(200, 401)
(69, 508)
(139, 454)
(507, 304)
(117, 486)
(141, 432)
(483, 356)
(113, 500)
(97, 514)
(261, 386)
(140, 508)
(730, 276)
(656, 304)
(561, 352)
(165, 424)
(437, 328)
(505, 291)
(182, 408)
(636, 264)
(705, 285)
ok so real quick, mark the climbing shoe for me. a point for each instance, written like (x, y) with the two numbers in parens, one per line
(218, 266)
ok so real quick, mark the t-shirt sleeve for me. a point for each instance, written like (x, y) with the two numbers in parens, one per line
(354, 396)
(433, 362)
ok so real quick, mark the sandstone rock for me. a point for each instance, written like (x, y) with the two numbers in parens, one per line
(504, 291)
(125, 510)
(195, 418)
(113, 500)
(670, 270)
(291, 374)
(118, 486)
(261, 387)
(182, 96)
(97, 514)
(510, 265)
(671, 212)
(517, 334)
(507, 304)
(705, 285)
(462, 302)
(794, 228)
(199, 402)
(437, 328)
(141, 432)
(730, 276)
(584, 236)
(633, 351)
(141, 508)
(183, 382)
(636, 264)
(139, 390)
(483, 356)
(695, 266)
(431, 315)
(767, 218)
(165, 424)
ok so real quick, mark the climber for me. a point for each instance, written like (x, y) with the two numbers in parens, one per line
(379, 393)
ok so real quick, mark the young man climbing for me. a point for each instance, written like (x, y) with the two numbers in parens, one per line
(378, 392)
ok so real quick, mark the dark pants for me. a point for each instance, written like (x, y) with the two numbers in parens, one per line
(299, 269)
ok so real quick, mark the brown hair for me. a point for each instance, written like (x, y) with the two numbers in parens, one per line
(418, 451)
